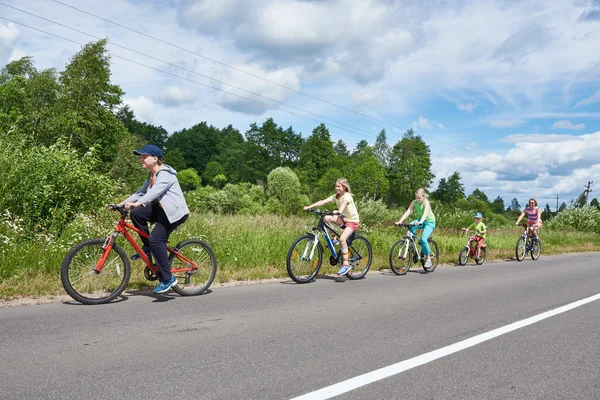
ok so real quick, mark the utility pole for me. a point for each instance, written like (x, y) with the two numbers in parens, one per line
(556, 203)
(587, 191)
(571, 206)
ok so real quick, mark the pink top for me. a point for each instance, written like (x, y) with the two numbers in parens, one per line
(532, 214)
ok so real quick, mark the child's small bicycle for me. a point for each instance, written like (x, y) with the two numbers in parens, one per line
(305, 256)
(407, 251)
(470, 250)
(528, 243)
(96, 271)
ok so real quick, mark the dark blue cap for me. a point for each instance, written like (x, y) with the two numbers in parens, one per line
(149, 149)
(478, 215)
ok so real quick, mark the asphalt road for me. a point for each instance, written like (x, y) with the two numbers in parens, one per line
(283, 340)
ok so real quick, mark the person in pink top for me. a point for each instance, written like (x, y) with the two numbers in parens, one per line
(534, 217)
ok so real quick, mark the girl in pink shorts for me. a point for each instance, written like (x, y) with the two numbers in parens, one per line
(347, 216)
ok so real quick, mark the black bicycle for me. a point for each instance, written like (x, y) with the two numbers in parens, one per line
(528, 243)
(406, 251)
(305, 256)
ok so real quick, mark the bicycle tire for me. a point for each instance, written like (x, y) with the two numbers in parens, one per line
(360, 266)
(399, 265)
(463, 256)
(482, 255)
(99, 288)
(536, 250)
(194, 283)
(310, 267)
(433, 248)
(521, 249)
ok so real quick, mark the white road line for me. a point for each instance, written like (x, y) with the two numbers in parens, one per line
(394, 369)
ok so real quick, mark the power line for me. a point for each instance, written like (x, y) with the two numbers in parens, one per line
(186, 70)
(257, 76)
(212, 87)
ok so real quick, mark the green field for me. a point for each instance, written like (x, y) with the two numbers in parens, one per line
(247, 248)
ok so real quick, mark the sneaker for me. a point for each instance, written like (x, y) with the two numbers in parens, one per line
(344, 270)
(335, 242)
(428, 263)
(164, 287)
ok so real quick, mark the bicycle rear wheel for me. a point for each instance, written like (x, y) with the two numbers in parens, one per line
(536, 249)
(193, 282)
(521, 248)
(401, 257)
(81, 280)
(360, 257)
(304, 259)
(463, 257)
(435, 256)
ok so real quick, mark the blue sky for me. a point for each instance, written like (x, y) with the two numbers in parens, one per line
(505, 92)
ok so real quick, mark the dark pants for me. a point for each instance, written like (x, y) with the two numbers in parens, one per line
(157, 243)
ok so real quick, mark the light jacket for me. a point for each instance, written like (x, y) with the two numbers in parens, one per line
(166, 190)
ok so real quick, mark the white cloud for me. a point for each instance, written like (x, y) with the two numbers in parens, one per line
(227, 98)
(422, 122)
(468, 107)
(369, 96)
(9, 35)
(565, 124)
(506, 122)
(143, 108)
(174, 96)
(542, 166)
(589, 100)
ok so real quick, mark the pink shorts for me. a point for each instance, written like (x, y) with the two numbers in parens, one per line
(353, 225)
(478, 240)
(529, 223)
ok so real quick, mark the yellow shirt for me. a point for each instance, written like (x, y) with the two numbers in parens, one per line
(350, 214)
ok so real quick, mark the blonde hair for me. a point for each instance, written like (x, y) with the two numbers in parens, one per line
(344, 182)
(422, 192)
(534, 200)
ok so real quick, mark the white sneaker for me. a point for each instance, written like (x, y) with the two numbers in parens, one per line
(428, 263)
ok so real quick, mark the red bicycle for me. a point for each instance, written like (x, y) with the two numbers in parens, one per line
(96, 271)
(470, 250)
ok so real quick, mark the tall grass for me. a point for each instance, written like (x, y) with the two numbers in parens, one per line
(248, 247)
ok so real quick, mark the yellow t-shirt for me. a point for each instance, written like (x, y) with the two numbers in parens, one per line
(350, 214)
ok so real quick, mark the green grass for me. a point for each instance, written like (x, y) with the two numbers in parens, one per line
(247, 248)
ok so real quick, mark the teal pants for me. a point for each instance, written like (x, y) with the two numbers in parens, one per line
(428, 227)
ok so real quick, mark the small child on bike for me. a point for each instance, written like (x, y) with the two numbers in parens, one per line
(160, 201)
(425, 220)
(348, 217)
(480, 230)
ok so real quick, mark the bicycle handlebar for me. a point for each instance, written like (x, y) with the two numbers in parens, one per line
(319, 212)
(406, 225)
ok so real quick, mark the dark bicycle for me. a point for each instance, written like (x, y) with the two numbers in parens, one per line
(407, 251)
(305, 257)
(528, 243)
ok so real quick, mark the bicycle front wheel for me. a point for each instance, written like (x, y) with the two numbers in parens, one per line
(304, 259)
(86, 285)
(192, 281)
(435, 256)
(536, 249)
(360, 257)
(520, 249)
(463, 256)
(482, 254)
(401, 257)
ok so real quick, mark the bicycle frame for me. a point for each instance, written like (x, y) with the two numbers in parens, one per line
(324, 228)
(122, 228)
(470, 245)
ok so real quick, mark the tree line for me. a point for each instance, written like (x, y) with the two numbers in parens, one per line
(68, 140)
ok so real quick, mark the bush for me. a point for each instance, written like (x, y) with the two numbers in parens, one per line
(198, 199)
(372, 212)
(47, 186)
(189, 179)
(283, 184)
(585, 219)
